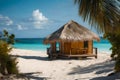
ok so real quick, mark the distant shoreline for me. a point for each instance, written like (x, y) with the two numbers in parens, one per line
(36, 44)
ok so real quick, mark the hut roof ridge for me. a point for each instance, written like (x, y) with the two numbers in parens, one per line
(72, 31)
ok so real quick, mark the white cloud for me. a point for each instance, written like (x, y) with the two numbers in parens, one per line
(20, 27)
(39, 19)
(4, 20)
(38, 16)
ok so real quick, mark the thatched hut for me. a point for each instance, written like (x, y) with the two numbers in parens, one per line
(71, 40)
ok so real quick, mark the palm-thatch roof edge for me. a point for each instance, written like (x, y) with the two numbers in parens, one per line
(71, 31)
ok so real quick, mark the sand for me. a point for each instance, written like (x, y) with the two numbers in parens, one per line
(37, 66)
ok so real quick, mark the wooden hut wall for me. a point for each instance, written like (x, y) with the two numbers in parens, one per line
(62, 47)
(53, 46)
(67, 47)
(71, 47)
(90, 47)
(76, 47)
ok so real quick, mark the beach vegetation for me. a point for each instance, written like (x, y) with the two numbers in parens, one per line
(9, 38)
(115, 41)
(104, 15)
(8, 63)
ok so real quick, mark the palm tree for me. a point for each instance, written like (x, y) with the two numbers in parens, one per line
(9, 38)
(104, 15)
(5, 35)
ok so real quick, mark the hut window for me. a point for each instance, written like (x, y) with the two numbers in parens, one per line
(58, 46)
(85, 44)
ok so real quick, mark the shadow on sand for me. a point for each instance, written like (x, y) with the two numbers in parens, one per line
(112, 77)
(32, 57)
(48, 59)
(100, 68)
(33, 76)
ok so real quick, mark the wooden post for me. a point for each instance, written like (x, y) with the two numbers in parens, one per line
(53, 46)
(96, 52)
(60, 47)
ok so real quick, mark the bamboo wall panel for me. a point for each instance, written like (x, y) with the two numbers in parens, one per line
(76, 47)
(67, 47)
(90, 47)
(62, 47)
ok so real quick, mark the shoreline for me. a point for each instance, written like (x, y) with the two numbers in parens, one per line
(44, 50)
(34, 62)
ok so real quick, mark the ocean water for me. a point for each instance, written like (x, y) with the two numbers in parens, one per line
(30, 44)
(37, 44)
(103, 46)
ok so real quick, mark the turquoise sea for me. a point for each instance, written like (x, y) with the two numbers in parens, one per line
(37, 44)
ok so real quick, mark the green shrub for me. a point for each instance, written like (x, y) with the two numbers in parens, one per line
(117, 65)
(114, 39)
(8, 64)
(11, 65)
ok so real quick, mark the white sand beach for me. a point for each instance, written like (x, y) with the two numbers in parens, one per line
(37, 66)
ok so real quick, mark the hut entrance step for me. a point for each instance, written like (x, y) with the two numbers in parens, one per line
(53, 56)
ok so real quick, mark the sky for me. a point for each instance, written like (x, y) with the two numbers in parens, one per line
(37, 18)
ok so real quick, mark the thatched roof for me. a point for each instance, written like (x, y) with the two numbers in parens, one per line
(72, 31)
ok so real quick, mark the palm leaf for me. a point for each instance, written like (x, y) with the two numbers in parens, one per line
(104, 15)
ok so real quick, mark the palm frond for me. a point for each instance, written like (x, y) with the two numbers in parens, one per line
(104, 15)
